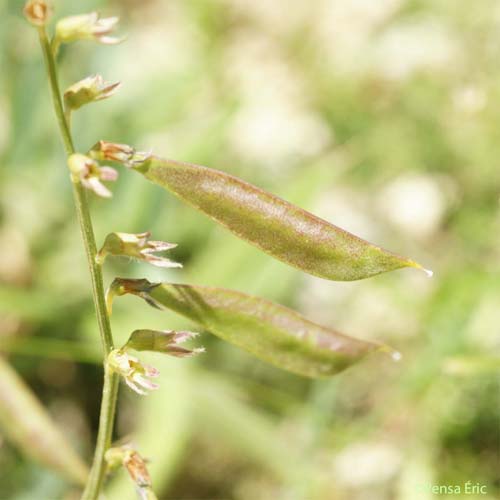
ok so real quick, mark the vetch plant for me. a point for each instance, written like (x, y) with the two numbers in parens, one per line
(267, 330)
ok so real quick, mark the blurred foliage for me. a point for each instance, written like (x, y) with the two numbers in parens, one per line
(381, 117)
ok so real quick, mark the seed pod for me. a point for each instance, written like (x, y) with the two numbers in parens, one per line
(277, 227)
(269, 331)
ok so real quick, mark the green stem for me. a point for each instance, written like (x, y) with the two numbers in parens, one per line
(110, 387)
(104, 435)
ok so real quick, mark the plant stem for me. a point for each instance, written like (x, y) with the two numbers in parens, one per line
(104, 435)
(111, 381)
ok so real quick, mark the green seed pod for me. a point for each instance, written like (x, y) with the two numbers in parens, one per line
(277, 227)
(269, 331)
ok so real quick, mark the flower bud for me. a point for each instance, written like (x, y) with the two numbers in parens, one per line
(86, 27)
(37, 12)
(136, 246)
(133, 371)
(164, 341)
(90, 89)
(87, 171)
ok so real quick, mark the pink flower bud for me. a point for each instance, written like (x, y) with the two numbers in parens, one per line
(136, 246)
(86, 27)
(108, 174)
(164, 341)
(88, 172)
(135, 373)
(90, 89)
(95, 185)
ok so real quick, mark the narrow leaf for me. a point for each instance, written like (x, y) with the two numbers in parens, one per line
(26, 423)
(274, 225)
(269, 331)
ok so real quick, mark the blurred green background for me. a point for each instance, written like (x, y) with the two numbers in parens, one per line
(382, 117)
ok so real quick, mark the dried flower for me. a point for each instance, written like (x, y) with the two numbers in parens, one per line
(122, 286)
(90, 174)
(164, 341)
(90, 89)
(86, 27)
(133, 371)
(136, 467)
(121, 153)
(37, 12)
(136, 246)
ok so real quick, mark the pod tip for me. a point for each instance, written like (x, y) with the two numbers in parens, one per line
(416, 265)
(429, 273)
(395, 355)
